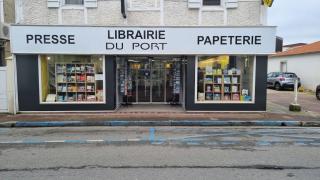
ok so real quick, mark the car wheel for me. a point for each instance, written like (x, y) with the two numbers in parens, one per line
(318, 94)
(277, 87)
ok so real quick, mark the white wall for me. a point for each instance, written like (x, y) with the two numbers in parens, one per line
(141, 12)
(307, 67)
(3, 90)
(10, 84)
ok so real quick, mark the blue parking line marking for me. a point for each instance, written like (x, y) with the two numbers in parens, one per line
(228, 142)
(33, 141)
(75, 141)
(263, 143)
(4, 130)
(193, 143)
(151, 135)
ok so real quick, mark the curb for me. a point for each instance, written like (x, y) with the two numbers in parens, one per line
(8, 124)
(275, 123)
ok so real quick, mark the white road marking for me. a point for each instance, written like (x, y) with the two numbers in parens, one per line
(55, 141)
(95, 140)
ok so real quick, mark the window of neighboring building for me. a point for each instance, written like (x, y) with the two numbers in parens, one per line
(225, 79)
(73, 2)
(283, 66)
(71, 79)
(211, 2)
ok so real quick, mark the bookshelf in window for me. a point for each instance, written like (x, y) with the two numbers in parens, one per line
(221, 87)
(75, 82)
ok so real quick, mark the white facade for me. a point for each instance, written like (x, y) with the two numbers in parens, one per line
(3, 90)
(306, 66)
(157, 14)
(142, 12)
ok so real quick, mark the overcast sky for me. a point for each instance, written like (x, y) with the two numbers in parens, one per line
(297, 21)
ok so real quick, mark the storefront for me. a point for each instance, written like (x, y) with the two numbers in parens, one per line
(80, 68)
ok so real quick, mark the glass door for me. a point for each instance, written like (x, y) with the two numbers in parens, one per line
(151, 80)
(143, 81)
(158, 80)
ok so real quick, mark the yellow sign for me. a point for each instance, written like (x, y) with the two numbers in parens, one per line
(268, 3)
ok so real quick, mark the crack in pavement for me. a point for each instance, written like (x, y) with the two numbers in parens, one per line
(257, 167)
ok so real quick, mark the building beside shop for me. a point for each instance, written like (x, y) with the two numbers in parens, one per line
(97, 55)
(304, 60)
(7, 17)
(290, 46)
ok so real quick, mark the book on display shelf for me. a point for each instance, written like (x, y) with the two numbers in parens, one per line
(51, 98)
(227, 97)
(209, 96)
(226, 89)
(208, 88)
(75, 82)
(217, 89)
(234, 80)
(61, 98)
(227, 80)
(209, 70)
(217, 97)
(201, 96)
(219, 80)
(235, 88)
(236, 97)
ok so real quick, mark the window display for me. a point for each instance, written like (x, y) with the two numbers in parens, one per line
(225, 79)
(72, 79)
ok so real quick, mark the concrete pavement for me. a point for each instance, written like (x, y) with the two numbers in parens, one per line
(279, 101)
(159, 153)
(277, 109)
(165, 174)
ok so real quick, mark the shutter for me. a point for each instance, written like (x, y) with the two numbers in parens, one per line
(231, 4)
(53, 3)
(192, 4)
(90, 3)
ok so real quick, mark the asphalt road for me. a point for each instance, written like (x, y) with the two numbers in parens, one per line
(160, 153)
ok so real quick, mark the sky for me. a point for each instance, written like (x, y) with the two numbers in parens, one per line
(296, 20)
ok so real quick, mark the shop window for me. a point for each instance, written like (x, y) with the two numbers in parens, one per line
(73, 2)
(71, 79)
(225, 79)
(211, 2)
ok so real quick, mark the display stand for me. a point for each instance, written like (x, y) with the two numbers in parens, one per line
(221, 87)
(75, 82)
(176, 74)
(125, 84)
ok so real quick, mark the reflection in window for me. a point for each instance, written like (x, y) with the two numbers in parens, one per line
(211, 2)
(73, 2)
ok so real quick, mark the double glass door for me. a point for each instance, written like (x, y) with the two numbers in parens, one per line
(152, 80)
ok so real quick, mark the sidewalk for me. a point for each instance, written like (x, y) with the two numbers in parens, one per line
(129, 116)
(163, 115)
(157, 119)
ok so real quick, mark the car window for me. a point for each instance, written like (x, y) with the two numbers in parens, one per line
(269, 75)
(290, 75)
(276, 74)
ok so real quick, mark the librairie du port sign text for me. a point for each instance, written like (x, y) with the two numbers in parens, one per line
(144, 40)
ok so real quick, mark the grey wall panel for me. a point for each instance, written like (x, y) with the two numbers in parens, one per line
(260, 91)
(28, 87)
